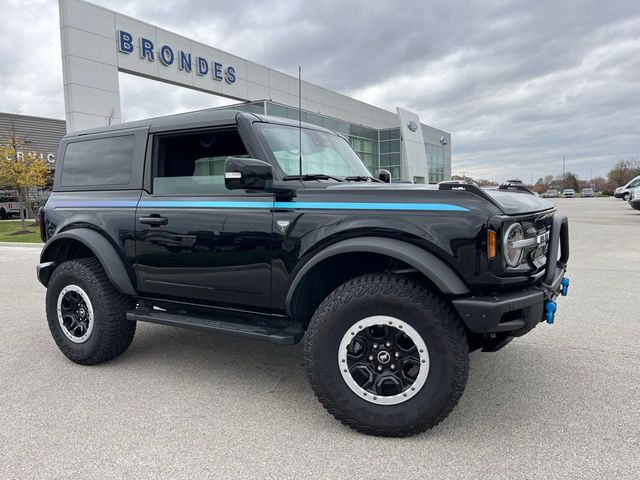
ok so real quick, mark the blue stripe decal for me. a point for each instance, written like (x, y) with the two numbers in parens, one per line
(438, 207)
(430, 207)
(92, 203)
(203, 204)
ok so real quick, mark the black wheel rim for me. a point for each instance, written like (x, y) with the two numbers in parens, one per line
(384, 360)
(75, 313)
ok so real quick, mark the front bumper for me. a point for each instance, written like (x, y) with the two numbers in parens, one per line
(517, 312)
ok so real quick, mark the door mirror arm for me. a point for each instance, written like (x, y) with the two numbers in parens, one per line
(253, 174)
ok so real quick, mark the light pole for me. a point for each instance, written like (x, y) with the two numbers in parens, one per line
(563, 173)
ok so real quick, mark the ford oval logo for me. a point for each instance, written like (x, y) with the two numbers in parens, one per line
(413, 126)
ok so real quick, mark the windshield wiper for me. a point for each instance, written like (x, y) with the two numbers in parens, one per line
(361, 178)
(311, 176)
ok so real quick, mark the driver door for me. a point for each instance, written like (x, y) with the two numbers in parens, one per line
(196, 240)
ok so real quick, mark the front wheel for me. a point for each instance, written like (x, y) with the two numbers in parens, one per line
(386, 356)
(625, 197)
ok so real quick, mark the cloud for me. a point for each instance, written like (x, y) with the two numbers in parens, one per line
(519, 84)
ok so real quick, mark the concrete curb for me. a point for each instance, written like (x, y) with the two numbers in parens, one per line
(21, 244)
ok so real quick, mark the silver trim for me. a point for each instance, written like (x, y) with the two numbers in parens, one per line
(530, 242)
(415, 337)
(85, 297)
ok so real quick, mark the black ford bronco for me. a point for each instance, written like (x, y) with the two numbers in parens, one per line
(205, 220)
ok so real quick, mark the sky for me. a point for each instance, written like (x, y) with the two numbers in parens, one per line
(518, 84)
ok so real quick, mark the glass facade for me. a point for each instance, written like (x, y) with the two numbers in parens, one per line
(376, 148)
(435, 162)
(390, 156)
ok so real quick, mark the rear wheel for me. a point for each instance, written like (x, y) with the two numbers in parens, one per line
(3, 214)
(86, 314)
(386, 356)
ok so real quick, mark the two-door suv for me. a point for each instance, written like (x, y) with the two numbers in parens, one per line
(255, 226)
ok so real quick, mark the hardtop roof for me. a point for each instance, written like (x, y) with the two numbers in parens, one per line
(196, 119)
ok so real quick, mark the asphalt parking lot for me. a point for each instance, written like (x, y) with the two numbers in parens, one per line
(562, 402)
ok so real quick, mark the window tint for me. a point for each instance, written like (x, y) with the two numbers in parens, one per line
(192, 163)
(104, 161)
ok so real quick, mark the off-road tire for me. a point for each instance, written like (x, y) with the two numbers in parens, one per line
(414, 303)
(112, 332)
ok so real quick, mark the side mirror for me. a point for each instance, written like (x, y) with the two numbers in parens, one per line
(384, 175)
(247, 174)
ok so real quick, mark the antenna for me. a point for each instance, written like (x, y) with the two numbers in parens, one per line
(300, 119)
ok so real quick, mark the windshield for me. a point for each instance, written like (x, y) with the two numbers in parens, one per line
(322, 153)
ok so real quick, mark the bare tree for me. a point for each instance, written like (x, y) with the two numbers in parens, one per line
(110, 117)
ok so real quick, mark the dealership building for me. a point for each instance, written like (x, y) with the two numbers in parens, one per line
(36, 136)
(98, 43)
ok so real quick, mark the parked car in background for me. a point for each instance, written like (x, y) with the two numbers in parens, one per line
(623, 191)
(634, 198)
(552, 194)
(569, 193)
(9, 206)
(587, 193)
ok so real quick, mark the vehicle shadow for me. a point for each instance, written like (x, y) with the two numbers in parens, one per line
(520, 381)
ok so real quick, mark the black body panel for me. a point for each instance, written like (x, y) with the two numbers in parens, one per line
(219, 255)
(247, 251)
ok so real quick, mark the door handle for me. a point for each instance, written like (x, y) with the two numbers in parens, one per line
(154, 220)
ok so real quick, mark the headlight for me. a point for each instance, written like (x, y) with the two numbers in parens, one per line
(512, 251)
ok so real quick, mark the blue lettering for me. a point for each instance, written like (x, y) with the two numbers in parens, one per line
(125, 43)
(146, 49)
(185, 62)
(231, 75)
(203, 66)
(166, 55)
(217, 71)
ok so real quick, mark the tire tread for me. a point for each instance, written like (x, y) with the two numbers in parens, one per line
(116, 332)
(409, 290)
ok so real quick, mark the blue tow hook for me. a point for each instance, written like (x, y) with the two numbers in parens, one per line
(551, 308)
(565, 286)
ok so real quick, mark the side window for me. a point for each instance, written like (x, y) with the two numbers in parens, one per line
(193, 163)
(634, 184)
(103, 161)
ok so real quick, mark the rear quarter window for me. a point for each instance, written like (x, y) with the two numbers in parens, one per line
(98, 162)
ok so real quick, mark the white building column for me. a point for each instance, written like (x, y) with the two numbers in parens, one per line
(414, 157)
(89, 65)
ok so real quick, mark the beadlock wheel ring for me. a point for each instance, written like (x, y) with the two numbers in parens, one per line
(75, 313)
(381, 367)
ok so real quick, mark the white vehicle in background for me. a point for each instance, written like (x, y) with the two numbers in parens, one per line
(9, 206)
(623, 191)
(634, 198)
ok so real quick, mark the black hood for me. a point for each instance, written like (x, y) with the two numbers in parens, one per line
(517, 203)
(509, 202)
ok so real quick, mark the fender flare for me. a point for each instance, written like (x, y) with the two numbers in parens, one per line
(443, 277)
(104, 251)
